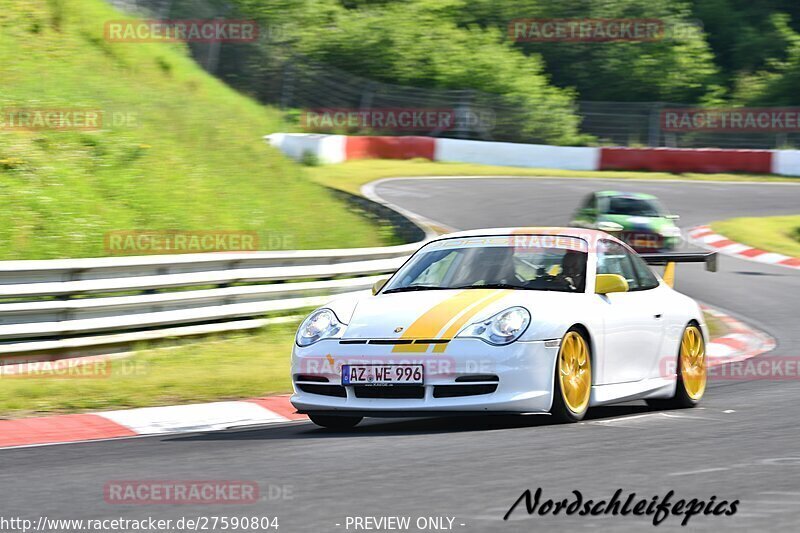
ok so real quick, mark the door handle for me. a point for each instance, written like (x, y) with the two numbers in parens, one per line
(657, 316)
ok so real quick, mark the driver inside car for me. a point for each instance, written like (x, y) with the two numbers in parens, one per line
(573, 270)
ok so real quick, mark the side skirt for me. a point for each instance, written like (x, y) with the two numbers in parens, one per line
(634, 390)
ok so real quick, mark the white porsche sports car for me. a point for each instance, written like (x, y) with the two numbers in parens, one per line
(521, 320)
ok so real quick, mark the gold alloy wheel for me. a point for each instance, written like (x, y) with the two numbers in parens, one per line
(693, 362)
(575, 372)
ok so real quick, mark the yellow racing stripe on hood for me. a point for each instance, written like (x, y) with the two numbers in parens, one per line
(469, 313)
(432, 322)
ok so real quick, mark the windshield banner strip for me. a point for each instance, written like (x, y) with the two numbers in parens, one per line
(518, 241)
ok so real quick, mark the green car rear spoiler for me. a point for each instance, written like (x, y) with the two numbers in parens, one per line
(668, 260)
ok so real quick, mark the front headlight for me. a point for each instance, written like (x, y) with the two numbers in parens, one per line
(503, 328)
(671, 231)
(321, 324)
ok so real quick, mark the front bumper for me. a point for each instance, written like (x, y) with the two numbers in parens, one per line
(522, 379)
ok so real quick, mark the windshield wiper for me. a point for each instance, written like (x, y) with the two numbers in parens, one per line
(411, 288)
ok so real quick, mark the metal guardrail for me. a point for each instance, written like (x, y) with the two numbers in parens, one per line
(62, 270)
(75, 304)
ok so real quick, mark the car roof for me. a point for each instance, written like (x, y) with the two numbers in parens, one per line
(589, 235)
(640, 195)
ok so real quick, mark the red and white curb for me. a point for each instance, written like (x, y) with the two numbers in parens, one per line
(739, 343)
(704, 236)
(144, 421)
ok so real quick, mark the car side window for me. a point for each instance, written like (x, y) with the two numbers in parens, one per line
(647, 280)
(589, 202)
(613, 258)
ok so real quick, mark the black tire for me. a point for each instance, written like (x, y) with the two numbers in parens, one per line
(560, 412)
(336, 422)
(681, 399)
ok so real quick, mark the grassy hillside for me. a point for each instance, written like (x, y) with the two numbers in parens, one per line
(188, 156)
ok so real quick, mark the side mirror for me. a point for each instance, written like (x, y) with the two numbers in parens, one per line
(673, 217)
(378, 285)
(607, 283)
(609, 227)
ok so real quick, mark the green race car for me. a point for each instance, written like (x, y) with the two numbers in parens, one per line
(638, 219)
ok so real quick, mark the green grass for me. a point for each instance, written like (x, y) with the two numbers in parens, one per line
(245, 366)
(350, 176)
(192, 159)
(775, 234)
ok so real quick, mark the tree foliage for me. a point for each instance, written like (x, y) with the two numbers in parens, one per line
(727, 51)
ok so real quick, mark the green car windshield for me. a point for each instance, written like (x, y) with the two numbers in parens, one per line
(462, 264)
(626, 205)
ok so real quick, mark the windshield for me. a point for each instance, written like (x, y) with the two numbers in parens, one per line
(549, 263)
(626, 205)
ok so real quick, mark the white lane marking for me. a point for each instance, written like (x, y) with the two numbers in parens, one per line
(623, 418)
(655, 415)
(781, 461)
(774, 461)
(727, 411)
(369, 190)
(702, 471)
(669, 415)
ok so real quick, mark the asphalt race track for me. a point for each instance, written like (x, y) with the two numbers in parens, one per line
(743, 443)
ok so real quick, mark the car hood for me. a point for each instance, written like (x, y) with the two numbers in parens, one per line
(434, 314)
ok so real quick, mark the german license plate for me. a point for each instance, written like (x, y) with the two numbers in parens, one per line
(642, 241)
(382, 374)
(646, 243)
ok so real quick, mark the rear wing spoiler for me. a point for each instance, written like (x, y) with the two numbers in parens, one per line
(668, 259)
(709, 258)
